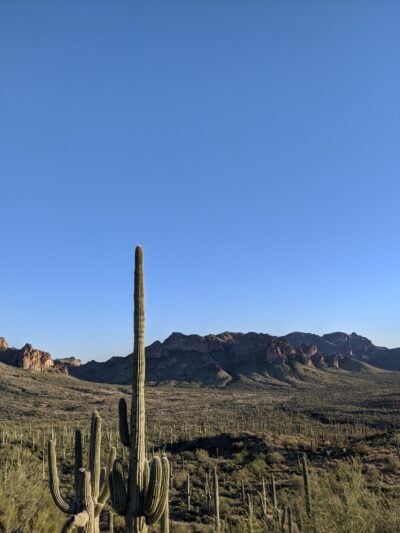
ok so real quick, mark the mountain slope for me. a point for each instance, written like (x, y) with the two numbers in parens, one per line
(226, 358)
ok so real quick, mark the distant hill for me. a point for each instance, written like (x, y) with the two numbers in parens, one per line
(219, 360)
(224, 359)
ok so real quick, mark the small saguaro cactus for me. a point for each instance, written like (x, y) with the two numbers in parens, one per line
(143, 498)
(188, 492)
(250, 512)
(307, 493)
(216, 501)
(263, 499)
(273, 493)
(91, 486)
(290, 521)
(307, 490)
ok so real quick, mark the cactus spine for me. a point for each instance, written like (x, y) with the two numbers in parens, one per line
(143, 499)
(91, 486)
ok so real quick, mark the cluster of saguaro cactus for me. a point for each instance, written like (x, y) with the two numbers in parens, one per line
(143, 498)
(91, 485)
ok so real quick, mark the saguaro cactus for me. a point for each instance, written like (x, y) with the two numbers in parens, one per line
(143, 498)
(307, 493)
(91, 486)
(250, 512)
(216, 501)
(188, 492)
(307, 490)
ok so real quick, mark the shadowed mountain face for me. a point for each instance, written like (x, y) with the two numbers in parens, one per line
(226, 358)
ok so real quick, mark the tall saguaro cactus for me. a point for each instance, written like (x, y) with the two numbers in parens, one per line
(91, 486)
(144, 497)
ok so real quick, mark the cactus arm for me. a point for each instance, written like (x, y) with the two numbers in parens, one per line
(94, 454)
(105, 486)
(153, 492)
(118, 488)
(123, 422)
(78, 462)
(103, 477)
(162, 503)
(164, 523)
(88, 500)
(146, 475)
(62, 504)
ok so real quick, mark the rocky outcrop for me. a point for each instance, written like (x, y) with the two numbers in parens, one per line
(3, 344)
(29, 358)
(68, 361)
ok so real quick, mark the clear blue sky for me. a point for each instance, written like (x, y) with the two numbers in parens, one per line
(252, 148)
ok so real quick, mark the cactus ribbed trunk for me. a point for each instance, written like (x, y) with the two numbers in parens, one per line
(142, 501)
(135, 521)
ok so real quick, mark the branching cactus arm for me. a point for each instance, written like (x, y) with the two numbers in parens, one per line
(64, 505)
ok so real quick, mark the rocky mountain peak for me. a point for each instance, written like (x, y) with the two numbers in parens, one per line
(3, 344)
(30, 358)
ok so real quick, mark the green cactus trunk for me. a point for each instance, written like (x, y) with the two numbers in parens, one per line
(137, 456)
(142, 500)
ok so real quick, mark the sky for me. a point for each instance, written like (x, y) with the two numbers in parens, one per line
(251, 148)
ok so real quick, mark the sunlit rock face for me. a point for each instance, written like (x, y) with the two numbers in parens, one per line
(3, 344)
(29, 358)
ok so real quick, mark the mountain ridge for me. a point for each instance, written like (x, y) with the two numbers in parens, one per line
(225, 358)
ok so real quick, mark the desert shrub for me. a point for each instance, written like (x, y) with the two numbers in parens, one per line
(275, 458)
(25, 500)
(344, 504)
(360, 448)
(180, 479)
(202, 456)
(393, 463)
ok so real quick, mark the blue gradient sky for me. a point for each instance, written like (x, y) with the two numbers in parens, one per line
(252, 148)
